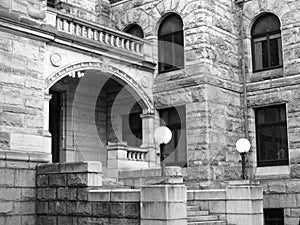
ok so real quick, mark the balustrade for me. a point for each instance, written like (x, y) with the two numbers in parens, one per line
(98, 33)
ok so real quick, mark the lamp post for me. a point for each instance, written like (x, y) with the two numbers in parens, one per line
(243, 146)
(162, 136)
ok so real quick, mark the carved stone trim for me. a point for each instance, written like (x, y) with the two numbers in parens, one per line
(99, 65)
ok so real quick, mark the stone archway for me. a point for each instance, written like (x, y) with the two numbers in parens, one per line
(99, 65)
(99, 69)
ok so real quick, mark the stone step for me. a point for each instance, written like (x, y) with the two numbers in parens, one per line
(197, 213)
(203, 218)
(219, 222)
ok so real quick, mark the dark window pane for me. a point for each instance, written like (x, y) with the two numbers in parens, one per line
(170, 44)
(265, 24)
(135, 30)
(265, 54)
(266, 49)
(274, 52)
(274, 216)
(271, 136)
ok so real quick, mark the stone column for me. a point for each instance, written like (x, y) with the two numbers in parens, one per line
(46, 134)
(164, 204)
(244, 203)
(148, 141)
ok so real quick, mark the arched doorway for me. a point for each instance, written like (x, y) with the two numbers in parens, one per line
(90, 109)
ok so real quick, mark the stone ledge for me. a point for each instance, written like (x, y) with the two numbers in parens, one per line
(70, 167)
(119, 195)
(12, 155)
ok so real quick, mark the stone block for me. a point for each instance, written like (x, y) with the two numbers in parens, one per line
(25, 178)
(244, 206)
(79, 208)
(66, 220)
(287, 201)
(101, 209)
(47, 168)
(125, 195)
(82, 194)
(28, 220)
(244, 192)
(291, 221)
(81, 167)
(293, 187)
(46, 194)
(47, 220)
(13, 220)
(25, 208)
(157, 193)
(163, 210)
(163, 222)
(209, 195)
(28, 194)
(124, 221)
(92, 221)
(57, 208)
(42, 207)
(7, 177)
(67, 193)
(6, 207)
(57, 180)
(84, 179)
(42, 180)
(99, 195)
(132, 210)
(10, 194)
(217, 207)
(295, 212)
(245, 219)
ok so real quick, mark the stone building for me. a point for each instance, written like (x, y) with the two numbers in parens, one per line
(91, 80)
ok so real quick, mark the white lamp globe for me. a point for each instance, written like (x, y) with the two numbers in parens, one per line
(243, 145)
(162, 135)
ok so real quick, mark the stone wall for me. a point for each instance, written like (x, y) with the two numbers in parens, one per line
(17, 190)
(32, 11)
(65, 195)
(285, 195)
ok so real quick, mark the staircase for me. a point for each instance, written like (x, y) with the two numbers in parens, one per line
(196, 216)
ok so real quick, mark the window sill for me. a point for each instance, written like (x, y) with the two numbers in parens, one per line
(267, 74)
(272, 172)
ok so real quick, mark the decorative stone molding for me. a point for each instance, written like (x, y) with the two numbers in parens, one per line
(99, 65)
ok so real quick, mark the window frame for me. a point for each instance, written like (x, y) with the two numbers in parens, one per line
(267, 36)
(161, 37)
(273, 126)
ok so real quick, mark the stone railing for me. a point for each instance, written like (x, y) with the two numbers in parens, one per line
(122, 157)
(136, 154)
(94, 32)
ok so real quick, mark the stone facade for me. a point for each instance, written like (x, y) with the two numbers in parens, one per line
(59, 48)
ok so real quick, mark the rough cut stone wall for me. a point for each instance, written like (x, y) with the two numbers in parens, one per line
(21, 114)
(206, 85)
(63, 197)
(278, 194)
(17, 192)
(30, 10)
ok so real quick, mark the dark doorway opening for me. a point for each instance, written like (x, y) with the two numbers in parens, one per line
(54, 124)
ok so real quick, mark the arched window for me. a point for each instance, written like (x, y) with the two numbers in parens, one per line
(266, 43)
(170, 44)
(135, 30)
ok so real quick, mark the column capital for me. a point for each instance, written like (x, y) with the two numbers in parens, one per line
(147, 115)
(47, 97)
